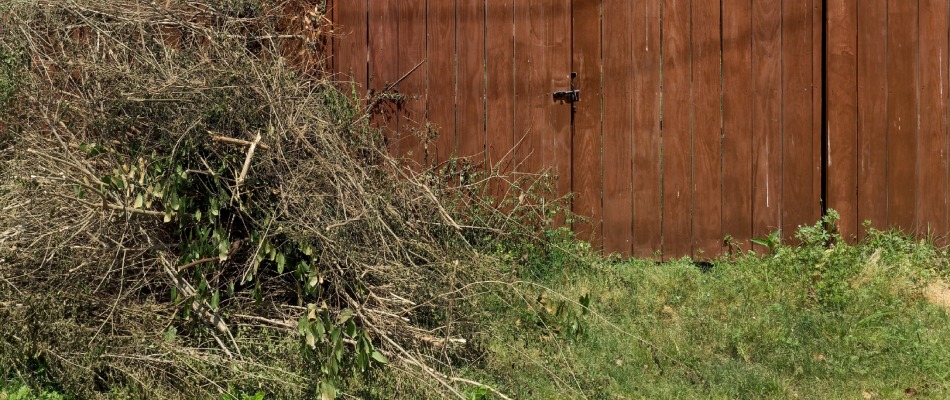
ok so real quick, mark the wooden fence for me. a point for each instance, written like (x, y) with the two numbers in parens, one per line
(887, 114)
(696, 120)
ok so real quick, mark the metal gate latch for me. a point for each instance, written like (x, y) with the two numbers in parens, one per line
(569, 96)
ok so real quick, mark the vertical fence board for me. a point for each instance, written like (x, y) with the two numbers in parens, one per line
(931, 150)
(530, 101)
(872, 114)
(797, 159)
(707, 130)
(331, 40)
(586, 154)
(737, 121)
(841, 160)
(647, 179)
(902, 114)
(677, 151)
(555, 127)
(351, 48)
(500, 89)
(767, 109)
(441, 79)
(384, 66)
(471, 81)
(412, 53)
(618, 80)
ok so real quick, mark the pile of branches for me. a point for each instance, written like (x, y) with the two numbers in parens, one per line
(189, 210)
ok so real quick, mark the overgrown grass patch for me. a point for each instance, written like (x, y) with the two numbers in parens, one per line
(809, 321)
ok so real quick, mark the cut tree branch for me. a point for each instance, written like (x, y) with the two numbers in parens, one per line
(239, 142)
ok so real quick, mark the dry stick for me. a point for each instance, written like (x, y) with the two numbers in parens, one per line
(247, 161)
(379, 96)
(240, 142)
(343, 223)
(274, 323)
(82, 168)
(200, 307)
(110, 206)
(481, 385)
(234, 248)
(196, 262)
(442, 379)
(407, 357)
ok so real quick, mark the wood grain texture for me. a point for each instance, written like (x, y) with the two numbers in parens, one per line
(677, 136)
(932, 144)
(707, 130)
(500, 90)
(471, 81)
(441, 79)
(555, 127)
(798, 196)
(647, 138)
(902, 80)
(618, 106)
(737, 121)
(872, 114)
(745, 167)
(330, 41)
(384, 67)
(841, 91)
(350, 46)
(530, 101)
(411, 16)
(767, 116)
(587, 141)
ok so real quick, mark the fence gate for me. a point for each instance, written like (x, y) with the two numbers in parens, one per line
(696, 119)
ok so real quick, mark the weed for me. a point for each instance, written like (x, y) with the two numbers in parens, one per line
(771, 242)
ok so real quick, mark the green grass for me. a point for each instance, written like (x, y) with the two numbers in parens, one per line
(807, 322)
(16, 390)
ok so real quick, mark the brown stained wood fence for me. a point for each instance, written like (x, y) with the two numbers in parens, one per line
(887, 115)
(696, 120)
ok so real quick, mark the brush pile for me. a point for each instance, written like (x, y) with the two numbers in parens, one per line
(190, 211)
